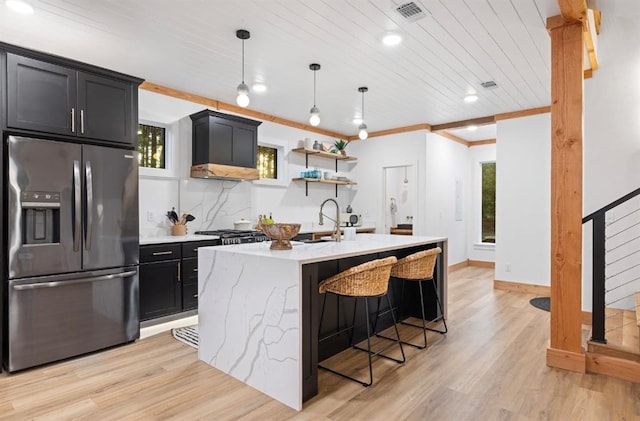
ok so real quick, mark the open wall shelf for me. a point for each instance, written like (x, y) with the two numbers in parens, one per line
(323, 154)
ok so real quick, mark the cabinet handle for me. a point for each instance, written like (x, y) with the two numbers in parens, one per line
(195, 295)
(195, 269)
(195, 250)
(179, 272)
(73, 120)
(82, 121)
(162, 253)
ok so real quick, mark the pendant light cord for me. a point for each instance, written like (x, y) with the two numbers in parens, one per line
(314, 88)
(242, 61)
(363, 106)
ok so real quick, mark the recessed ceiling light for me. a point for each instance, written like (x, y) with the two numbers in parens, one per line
(470, 98)
(391, 38)
(472, 128)
(259, 87)
(19, 6)
(357, 120)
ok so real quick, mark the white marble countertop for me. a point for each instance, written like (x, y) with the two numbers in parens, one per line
(330, 250)
(176, 239)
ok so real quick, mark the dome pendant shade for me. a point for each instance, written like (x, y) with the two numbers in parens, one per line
(243, 90)
(314, 113)
(314, 116)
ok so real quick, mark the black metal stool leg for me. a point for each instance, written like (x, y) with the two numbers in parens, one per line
(424, 323)
(444, 321)
(380, 352)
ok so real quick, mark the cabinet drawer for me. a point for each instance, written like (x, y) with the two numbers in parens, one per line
(191, 249)
(189, 297)
(190, 270)
(158, 252)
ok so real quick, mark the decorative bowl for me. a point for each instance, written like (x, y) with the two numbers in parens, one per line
(280, 234)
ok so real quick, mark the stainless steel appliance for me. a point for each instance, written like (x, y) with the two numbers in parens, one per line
(72, 214)
(236, 236)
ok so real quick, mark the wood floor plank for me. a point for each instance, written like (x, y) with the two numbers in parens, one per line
(490, 366)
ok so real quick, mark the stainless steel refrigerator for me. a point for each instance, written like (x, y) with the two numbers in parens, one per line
(72, 214)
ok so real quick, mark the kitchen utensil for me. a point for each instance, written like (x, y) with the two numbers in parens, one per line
(189, 218)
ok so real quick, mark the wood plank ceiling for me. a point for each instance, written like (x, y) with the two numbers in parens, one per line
(191, 45)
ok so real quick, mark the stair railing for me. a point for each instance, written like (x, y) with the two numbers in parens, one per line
(601, 224)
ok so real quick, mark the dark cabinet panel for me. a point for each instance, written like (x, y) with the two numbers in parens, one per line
(40, 96)
(224, 139)
(105, 106)
(190, 271)
(190, 297)
(58, 99)
(160, 289)
(159, 252)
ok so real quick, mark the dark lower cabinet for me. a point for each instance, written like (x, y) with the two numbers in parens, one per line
(169, 278)
(160, 280)
(160, 289)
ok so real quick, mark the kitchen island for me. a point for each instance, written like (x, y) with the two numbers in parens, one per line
(259, 308)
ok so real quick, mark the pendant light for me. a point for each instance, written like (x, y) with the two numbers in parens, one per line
(314, 114)
(362, 128)
(243, 89)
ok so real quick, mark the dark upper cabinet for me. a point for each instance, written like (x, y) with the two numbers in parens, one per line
(105, 108)
(224, 139)
(41, 96)
(51, 98)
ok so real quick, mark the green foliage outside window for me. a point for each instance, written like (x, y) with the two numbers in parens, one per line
(267, 162)
(488, 202)
(152, 146)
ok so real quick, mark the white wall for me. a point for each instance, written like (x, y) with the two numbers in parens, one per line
(523, 207)
(385, 152)
(447, 172)
(611, 128)
(476, 250)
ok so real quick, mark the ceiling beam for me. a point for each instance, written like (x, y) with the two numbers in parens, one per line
(219, 105)
(453, 137)
(482, 142)
(405, 129)
(573, 10)
(523, 113)
(480, 121)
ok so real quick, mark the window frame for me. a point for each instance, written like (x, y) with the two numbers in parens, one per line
(169, 159)
(481, 244)
(282, 149)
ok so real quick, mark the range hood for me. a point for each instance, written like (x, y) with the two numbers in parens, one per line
(224, 146)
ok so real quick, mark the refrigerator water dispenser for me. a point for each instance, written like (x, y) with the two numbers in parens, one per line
(40, 217)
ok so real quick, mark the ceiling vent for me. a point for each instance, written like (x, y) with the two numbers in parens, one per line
(410, 11)
(489, 84)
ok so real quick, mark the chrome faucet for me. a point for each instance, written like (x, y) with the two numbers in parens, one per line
(336, 230)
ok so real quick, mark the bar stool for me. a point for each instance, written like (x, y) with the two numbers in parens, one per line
(419, 267)
(368, 280)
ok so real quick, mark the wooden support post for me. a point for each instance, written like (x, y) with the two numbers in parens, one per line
(567, 42)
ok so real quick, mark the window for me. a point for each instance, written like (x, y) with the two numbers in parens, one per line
(488, 234)
(268, 162)
(152, 146)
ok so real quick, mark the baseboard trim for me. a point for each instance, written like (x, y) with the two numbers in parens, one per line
(586, 318)
(520, 287)
(613, 367)
(566, 360)
(482, 264)
(458, 266)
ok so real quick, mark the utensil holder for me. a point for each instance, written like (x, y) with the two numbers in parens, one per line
(178, 229)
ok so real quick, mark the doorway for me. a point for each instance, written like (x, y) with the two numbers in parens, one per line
(400, 200)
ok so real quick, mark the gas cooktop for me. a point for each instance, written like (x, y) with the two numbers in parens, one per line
(237, 236)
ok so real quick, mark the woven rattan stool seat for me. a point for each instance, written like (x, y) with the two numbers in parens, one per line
(418, 266)
(369, 279)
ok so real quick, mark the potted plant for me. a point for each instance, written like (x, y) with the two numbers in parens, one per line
(340, 145)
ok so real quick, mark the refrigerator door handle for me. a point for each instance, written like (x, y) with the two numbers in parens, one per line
(54, 284)
(77, 206)
(89, 187)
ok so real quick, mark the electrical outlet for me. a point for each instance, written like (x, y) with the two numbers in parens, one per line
(507, 267)
(149, 216)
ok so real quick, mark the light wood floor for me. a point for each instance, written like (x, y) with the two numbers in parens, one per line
(491, 366)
